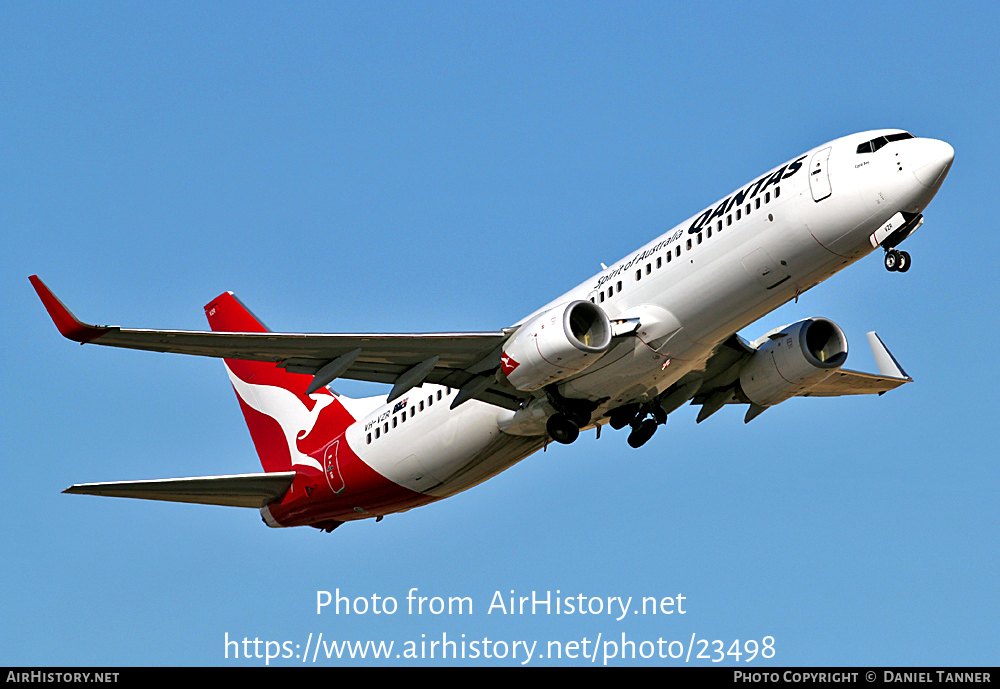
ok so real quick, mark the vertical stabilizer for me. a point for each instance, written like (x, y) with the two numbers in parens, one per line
(289, 428)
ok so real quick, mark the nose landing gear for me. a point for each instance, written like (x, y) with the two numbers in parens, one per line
(897, 261)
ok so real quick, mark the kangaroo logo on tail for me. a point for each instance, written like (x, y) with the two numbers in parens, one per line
(280, 415)
(285, 407)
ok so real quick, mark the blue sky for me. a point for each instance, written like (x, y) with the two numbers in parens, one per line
(428, 167)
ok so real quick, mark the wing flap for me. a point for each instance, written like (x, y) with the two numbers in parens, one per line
(241, 490)
(845, 382)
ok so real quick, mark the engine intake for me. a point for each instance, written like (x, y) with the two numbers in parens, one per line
(556, 344)
(792, 359)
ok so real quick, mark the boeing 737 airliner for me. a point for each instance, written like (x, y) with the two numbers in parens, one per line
(626, 348)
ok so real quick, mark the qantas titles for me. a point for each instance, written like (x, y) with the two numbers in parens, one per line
(727, 204)
(783, 172)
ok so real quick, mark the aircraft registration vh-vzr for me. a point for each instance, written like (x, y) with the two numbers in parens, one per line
(625, 348)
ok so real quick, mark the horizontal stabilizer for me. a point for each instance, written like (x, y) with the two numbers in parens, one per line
(242, 490)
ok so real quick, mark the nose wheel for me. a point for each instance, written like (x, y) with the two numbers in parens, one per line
(897, 261)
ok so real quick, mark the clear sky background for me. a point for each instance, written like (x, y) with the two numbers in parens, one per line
(430, 166)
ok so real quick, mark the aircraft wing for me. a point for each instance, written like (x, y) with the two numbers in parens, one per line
(845, 382)
(722, 372)
(242, 490)
(465, 361)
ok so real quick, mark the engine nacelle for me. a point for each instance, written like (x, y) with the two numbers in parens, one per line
(555, 344)
(792, 359)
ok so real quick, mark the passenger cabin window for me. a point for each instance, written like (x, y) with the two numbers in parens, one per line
(638, 274)
(619, 285)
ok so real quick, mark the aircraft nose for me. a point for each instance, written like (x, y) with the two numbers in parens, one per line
(931, 160)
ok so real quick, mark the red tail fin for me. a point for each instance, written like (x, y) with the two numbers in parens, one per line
(289, 428)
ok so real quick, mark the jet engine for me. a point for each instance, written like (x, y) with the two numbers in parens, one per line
(555, 344)
(792, 359)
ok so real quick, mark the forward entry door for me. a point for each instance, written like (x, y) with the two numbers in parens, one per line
(819, 174)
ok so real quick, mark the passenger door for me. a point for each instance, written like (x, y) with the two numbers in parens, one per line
(819, 174)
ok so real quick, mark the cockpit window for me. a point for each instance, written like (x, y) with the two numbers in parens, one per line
(879, 142)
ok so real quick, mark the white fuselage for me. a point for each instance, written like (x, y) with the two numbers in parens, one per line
(727, 268)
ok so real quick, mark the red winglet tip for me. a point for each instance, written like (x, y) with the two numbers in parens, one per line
(69, 325)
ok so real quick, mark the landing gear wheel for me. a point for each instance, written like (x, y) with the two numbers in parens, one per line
(904, 262)
(620, 420)
(642, 433)
(561, 429)
(892, 260)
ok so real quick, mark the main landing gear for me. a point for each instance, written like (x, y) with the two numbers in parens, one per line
(571, 415)
(642, 431)
(562, 429)
(635, 416)
(897, 261)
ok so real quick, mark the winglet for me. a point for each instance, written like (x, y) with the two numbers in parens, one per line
(886, 362)
(69, 325)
